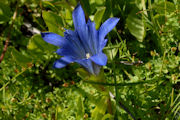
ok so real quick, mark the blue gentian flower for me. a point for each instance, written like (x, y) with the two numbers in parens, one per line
(84, 45)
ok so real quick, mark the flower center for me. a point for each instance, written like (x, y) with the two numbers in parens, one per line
(88, 55)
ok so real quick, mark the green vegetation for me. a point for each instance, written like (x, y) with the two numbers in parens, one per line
(142, 71)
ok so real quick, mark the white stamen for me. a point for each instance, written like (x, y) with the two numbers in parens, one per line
(88, 55)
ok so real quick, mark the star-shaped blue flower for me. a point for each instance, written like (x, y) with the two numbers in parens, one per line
(84, 45)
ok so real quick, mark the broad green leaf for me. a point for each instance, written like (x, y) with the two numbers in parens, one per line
(139, 3)
(107, 117)
(162, 6)
(54, 22)
(5, 13)
(81, 72)
(98, 78)
(49, 4)
(100, 2)
(92, 98)
(98, 16)
(37, 44)
(68, 17)
(58, 112)
(80, 109)
(20, 58)
(136, 25)
(65, 4)
(100, 109)
(37, 47)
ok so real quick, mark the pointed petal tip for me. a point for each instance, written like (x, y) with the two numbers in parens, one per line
(62, 62)
(107, 26)
(56, 65)
(79, 18)
(52, 38)
(78, 8)
(42, 34)
(115, 19)
(78, 5)
(59, 64)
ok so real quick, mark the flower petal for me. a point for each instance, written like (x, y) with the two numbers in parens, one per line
(93, 35)
(103, 44)
(87, 64)
(72, 46)
(106, 27)
(68, 51)
(53, 38)
(62, 62)
(79, 18)
(81, 28)
(100, 59)
(74, 41)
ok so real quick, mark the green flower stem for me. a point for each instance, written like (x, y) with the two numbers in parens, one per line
(104, 90)
(109, 105)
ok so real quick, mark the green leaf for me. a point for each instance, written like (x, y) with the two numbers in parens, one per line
(91, 97)
(49, 4)
(136, 25)
(81, 72)
(65, 4)
(37, 44)
(100, 2)
(5, 13)
(107, 117)
(160, 7)
(98, 16)
(37, 47)
(68, 17)
(80, 109)
(20, 58)
(54, 22)
(100, 109)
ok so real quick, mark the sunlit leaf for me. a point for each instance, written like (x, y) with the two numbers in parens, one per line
(80, 109)
(100, 109)
(38, 47)
(54, 22)
(5, 12)
(20, 58)
(98, 16)
(162, 6)
(136, 25)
